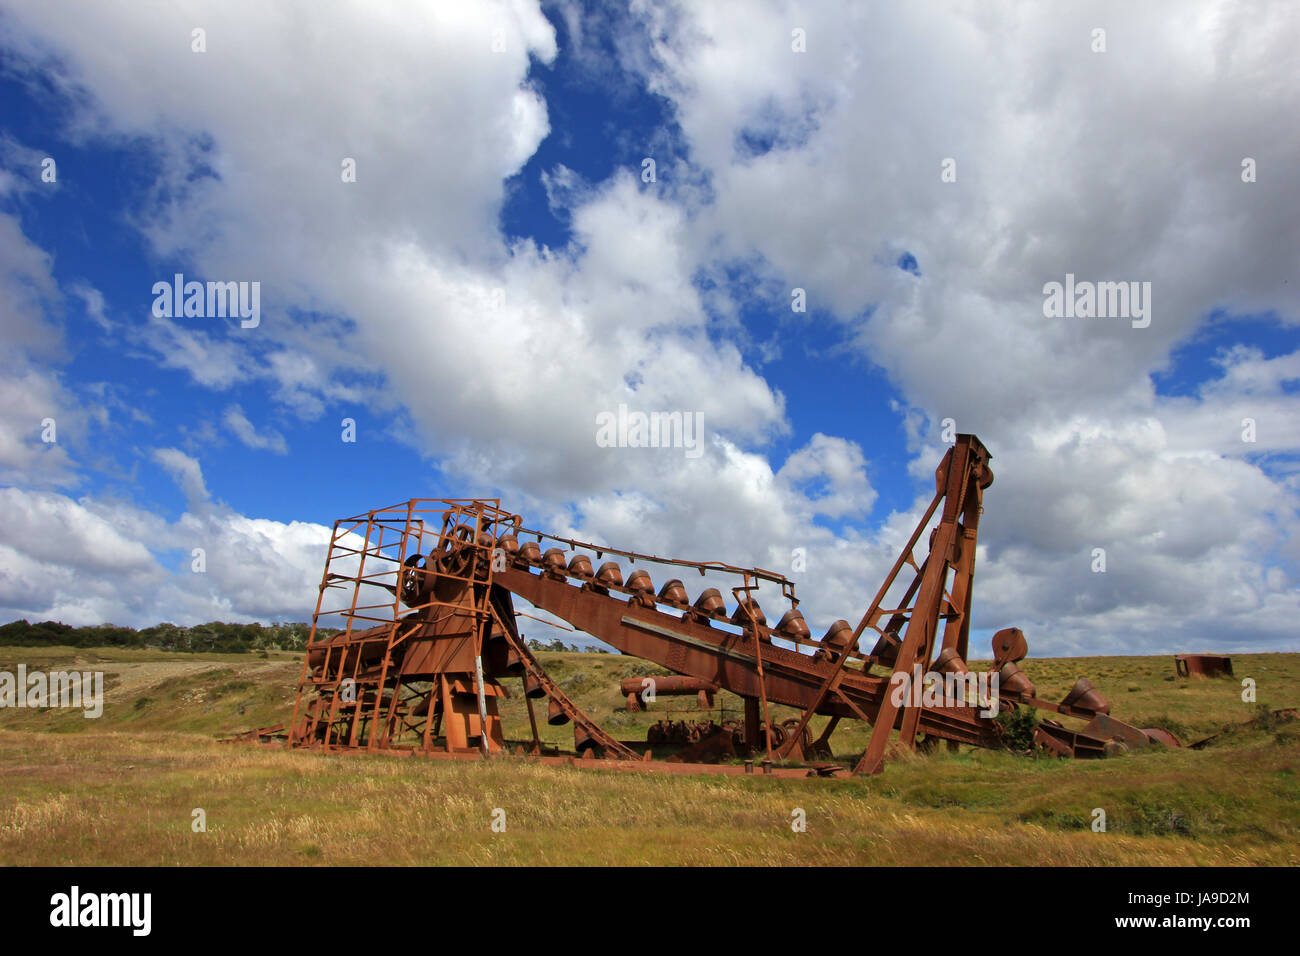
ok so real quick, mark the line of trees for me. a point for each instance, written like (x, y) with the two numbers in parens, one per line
(213, 637)
(558, 645)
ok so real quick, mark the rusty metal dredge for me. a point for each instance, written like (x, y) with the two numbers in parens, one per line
(420, 669)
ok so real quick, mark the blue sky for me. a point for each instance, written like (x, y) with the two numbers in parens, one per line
(501, 152)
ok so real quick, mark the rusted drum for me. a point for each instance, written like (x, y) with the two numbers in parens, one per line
(670, 685)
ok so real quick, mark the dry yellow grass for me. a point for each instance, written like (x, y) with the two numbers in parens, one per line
(128, 799)
(121, 790)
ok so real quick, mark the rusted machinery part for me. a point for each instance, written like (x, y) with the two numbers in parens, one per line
(669, 686)
(837, 639)
(580, 568)
(1084, 700)
(259, 735)
(508, 543)
(711, 746)
(610, 575)
(1009, 646)
(1202, 665)
(561, 709)
(680, 732)
(415, 579)
(554, 564)
(1058, 739)
(583, 741)
(709, 606)
(356, 649)
(1103, 736)
(885, 651)
(793, 627)
(456, 552)
(950, 662)
(790, 726)
(748, 614)
(1158, 735)
(781, 732)
(674, 593)
(533, 687)
(1013, 684)
(642, 588)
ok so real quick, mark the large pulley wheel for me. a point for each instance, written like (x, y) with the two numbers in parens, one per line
(455, 552)
(414, 574)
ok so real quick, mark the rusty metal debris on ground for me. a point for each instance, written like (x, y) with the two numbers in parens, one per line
(1202, 665)
(261, 735)
(420, 668)
(1266, 721)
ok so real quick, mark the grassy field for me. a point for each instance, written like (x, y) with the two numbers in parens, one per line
(122, 789)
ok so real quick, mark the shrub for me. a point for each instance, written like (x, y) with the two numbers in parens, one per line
(1017, 726)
